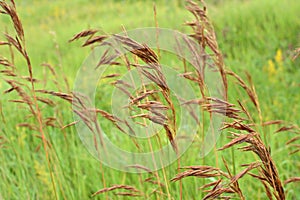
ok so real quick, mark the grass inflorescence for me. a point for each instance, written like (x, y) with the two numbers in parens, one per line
(44, 157)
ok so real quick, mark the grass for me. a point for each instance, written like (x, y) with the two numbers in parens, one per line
(250, 34)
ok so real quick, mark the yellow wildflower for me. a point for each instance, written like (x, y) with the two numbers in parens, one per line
(44, 178)
(22, 137)
(278, 56)
(271, 68)
(58, 12)
(279, 59)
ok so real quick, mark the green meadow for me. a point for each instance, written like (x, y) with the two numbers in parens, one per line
(255, 37)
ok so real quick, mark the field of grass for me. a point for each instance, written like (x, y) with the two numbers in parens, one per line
(258, 37)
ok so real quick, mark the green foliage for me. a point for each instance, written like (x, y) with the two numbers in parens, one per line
(250, 33)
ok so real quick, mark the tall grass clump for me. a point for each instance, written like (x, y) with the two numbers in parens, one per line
(242, 153)
(31, 104)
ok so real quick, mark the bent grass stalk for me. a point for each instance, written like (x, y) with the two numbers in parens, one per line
(240, 123)
(19, 43)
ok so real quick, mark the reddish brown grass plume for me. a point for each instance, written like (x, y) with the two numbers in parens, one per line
(242, 126)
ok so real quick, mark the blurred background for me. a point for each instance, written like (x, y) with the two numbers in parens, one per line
(255, 36)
